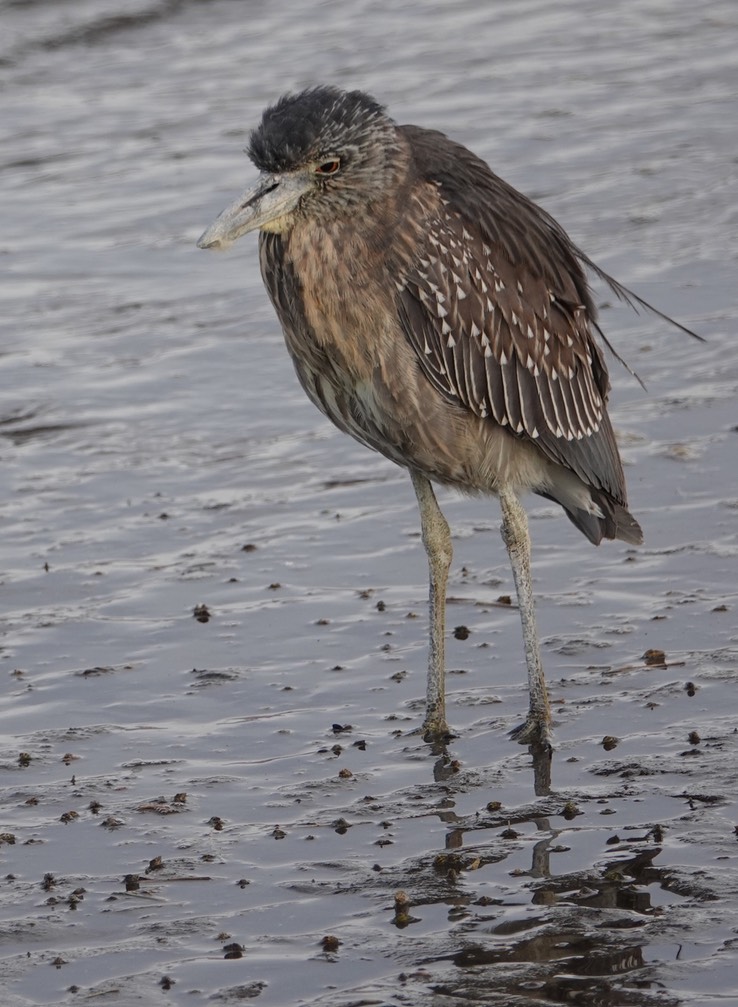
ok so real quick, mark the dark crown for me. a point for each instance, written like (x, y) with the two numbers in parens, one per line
(302, 127)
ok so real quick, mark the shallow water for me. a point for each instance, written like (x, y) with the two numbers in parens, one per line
(152, 429)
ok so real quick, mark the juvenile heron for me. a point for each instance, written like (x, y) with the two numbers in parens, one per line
(442, 318)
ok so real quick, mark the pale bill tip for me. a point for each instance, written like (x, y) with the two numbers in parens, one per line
(212, 240)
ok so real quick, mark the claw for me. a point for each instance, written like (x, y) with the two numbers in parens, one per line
(533, 731)
(437, 733)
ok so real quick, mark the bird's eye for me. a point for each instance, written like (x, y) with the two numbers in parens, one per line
(328, 167)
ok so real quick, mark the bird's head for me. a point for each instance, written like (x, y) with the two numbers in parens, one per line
(322, 154)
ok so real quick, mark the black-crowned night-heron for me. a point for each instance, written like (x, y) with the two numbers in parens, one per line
(443, 319)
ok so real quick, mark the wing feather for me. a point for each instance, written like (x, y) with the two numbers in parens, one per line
(496, 306)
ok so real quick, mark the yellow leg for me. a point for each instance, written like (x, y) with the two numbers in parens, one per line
(437, 542)
(536, 728)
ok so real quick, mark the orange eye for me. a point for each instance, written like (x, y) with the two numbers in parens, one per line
(328, 167)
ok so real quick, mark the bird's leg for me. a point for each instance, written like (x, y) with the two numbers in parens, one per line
(437, 542)
(536, 728)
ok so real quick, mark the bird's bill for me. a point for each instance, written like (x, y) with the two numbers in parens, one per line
(266, 205)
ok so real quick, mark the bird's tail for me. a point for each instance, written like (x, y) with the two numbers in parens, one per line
(616, 521)
(594, 512)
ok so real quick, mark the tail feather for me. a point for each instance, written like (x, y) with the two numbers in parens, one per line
(602, 518)
(616, 522)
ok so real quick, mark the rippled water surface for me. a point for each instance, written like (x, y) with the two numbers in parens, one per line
(216, 811)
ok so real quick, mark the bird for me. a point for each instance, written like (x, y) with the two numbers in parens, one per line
(443, 319)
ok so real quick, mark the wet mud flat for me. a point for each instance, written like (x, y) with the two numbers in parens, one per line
(348, 863)
(213, 788)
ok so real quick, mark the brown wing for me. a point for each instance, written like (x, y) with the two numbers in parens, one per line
(497, 308)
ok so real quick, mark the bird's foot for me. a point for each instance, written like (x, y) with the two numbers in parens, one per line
(437, 736)
(535, 730)
(436, 731)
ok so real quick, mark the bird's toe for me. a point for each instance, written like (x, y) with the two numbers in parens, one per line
(533, 731)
